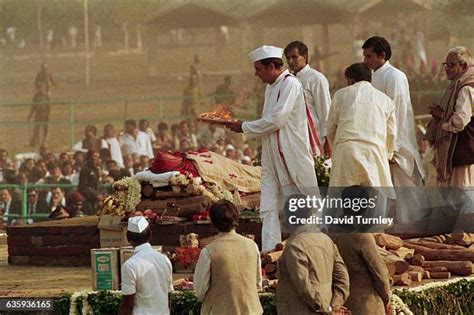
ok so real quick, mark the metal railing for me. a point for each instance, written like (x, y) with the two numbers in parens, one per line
(24, 215)
(158, 108)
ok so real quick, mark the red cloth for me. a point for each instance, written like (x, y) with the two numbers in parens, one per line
(168, 162)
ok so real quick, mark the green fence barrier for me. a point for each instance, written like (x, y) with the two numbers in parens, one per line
(160, 109)
(24, 215)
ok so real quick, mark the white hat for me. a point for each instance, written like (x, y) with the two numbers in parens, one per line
(137, 224)
(265, 52)
(229, 147)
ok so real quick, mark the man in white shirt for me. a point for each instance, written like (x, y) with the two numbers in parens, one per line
(135, 142)
(113, 144)
(451, 130)
(287, 162)
(361, 129)
(315, 87)
(147, 276)
(406, 165)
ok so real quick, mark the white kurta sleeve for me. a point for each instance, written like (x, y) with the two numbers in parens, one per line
(391, 133)
(149, 148)
(462, 111)
(78, 147)
(129, 280)
(398, 92)
(202, 274)
(332, 120)
(322, 101)
(280, 110)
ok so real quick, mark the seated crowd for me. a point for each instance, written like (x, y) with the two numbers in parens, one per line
(96, 160)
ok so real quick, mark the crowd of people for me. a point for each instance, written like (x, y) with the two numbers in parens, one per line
(96, 161)
(368, 130)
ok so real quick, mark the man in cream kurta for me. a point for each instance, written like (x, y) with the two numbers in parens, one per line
(406, 165)
(287, 163)
(362, 131)
(315, 87)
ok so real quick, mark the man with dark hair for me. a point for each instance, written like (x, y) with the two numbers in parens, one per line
(8, 206)
(89, 178)
(90, 142)
(361, 129)
(406, 165)
(288, 143)
(315, 87)
(135, 142)
(228, 273)
(35, 205)
(147, 276)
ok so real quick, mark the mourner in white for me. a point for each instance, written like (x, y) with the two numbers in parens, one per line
(362, 131)
(287, 148)
(315, 87)
(147, 276)
(451, 130)
(406, 165)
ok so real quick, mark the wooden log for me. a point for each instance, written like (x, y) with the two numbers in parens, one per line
(463, 239)
(388, 241)
(431, 239)
(148, 191)
(389, 258)
(416, 276)
(440, 275)
(437, 269)
(391, 269)
(270, 268)
(280, 246)
(417, 260)
(162, 195)
(404, 253)
(434, 245)
(272, 257)
(449, 240)
(426, 275)
(403, 279)
(471, 247)
(415, 268)
(459, 268)
(442, 254)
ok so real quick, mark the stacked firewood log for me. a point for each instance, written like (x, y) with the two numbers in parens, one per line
(270, 261)
(437, 257)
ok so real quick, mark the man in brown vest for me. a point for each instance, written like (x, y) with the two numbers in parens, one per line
(451, 130)
(313, 278)
(228, 273)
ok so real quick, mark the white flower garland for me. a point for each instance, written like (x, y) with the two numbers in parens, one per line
(133, 196)
(86, 308)
(213, 191)
(399, 307)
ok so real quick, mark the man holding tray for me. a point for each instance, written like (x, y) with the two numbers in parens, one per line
(288, 141)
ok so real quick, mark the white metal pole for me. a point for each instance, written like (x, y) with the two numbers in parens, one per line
(86, 41)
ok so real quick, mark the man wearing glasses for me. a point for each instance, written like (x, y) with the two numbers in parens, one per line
(35, 205)
(451, 130)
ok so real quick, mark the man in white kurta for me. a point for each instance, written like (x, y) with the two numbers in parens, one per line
(406, 165)
(362, 130)
(287, 162)
(315, 87)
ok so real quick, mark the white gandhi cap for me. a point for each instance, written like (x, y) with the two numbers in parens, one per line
(137, 224)
(265, 52)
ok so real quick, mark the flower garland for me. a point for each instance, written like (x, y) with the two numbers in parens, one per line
(398, 307)
(86, 308)
(132, 197)
(213, 191)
